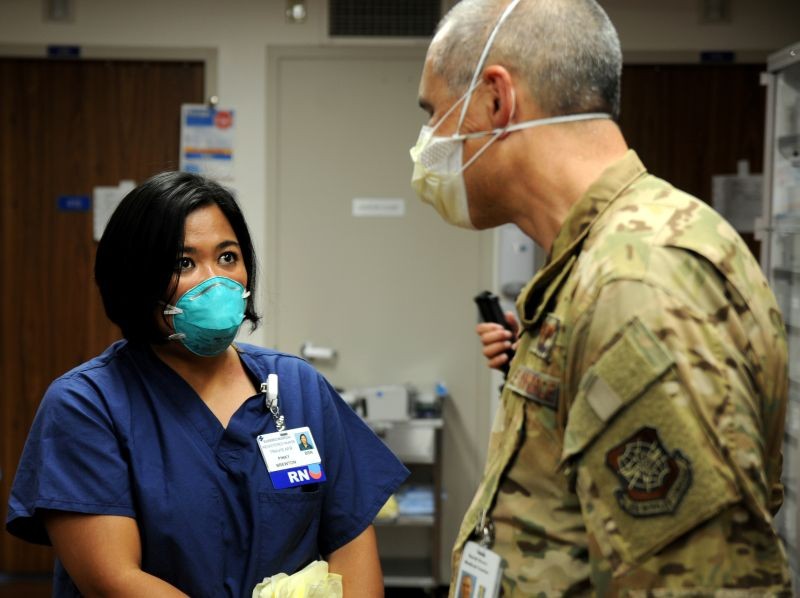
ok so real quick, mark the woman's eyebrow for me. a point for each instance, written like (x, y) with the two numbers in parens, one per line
(228, 243)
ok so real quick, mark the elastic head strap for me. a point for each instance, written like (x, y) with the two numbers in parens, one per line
(453, 107)
(495, 132)
(484, 55)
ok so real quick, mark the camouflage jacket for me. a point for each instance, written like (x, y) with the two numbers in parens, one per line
(637, 446)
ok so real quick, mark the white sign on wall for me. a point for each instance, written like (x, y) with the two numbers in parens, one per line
(104, 201)
(207, 141)
(378, 207)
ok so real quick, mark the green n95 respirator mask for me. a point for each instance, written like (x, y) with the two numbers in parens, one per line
(207, 317)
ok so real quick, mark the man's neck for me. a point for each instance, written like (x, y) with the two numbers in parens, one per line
(560, 168)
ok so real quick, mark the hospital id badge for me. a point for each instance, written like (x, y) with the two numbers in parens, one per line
(291, 458)
(479, 573)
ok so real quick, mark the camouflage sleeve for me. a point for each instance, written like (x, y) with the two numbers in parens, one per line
(664, 440)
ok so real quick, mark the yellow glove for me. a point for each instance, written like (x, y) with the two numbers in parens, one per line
(388, 511)
(312, 582)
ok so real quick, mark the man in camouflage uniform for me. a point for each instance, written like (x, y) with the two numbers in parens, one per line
(637, 445)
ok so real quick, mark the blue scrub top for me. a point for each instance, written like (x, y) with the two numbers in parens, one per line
(123, 434)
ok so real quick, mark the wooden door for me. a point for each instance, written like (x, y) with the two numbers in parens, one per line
(690, 122)
(66, 127)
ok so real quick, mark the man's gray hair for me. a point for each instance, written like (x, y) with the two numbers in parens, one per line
(567, 51)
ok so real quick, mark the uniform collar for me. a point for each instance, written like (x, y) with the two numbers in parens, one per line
(600, 194)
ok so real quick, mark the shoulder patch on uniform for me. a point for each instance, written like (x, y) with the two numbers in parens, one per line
(543, 347)
(536, 386)
(653, 480)
(625, 371)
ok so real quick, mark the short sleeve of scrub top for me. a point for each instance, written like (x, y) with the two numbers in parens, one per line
(124, 435)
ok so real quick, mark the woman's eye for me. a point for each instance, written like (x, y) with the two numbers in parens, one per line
(228, 258)
(183, 263)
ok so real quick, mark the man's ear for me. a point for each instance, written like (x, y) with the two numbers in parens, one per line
(501, 87)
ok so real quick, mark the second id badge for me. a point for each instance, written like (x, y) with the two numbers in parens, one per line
(479, 573)
(291, 458)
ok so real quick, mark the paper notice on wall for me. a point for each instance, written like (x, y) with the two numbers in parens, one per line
(207, 141)
(738, 199)
(378, 207)
(104, 201)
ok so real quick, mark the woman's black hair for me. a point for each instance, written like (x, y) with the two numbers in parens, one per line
(135, 263)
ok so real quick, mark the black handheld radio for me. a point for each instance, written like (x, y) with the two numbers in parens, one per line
(489, 308)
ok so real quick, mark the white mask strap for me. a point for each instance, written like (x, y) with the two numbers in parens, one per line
(453, 107)
(482, 59)
(171, 310)
(497, 132)
(528, 124)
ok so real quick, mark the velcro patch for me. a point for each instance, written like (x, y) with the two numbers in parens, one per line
(601, 397)
(653, 480)
(536, 386)
(620, 376)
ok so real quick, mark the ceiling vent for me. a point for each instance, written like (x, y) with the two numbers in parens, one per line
(383, 18)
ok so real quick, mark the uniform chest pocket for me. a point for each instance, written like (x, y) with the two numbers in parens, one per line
(288, 526)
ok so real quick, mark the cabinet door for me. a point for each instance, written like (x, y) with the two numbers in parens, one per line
(784, 272)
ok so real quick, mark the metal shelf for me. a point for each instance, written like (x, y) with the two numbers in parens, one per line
(785, 273)
(412, 543)
(407, 521)
(412, 441)
(407, 573)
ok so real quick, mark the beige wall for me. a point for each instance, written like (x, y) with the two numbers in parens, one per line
(238, 32)
(673, 25)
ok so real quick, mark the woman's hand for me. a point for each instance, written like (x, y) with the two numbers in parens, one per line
(496, 340)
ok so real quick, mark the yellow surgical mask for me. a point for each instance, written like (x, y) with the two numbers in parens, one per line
(438, 176)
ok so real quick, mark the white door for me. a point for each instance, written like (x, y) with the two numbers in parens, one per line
(392, 295)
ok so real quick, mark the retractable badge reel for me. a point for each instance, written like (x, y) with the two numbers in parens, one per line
(291, 456)
(481, 569)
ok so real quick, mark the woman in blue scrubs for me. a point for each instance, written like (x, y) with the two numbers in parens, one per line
(153, 468)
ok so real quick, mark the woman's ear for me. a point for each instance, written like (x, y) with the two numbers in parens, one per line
(501, 87)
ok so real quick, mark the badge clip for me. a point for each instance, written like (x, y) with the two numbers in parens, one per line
(270, 390)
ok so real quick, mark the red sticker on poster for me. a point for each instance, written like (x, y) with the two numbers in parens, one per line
(223, 119)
